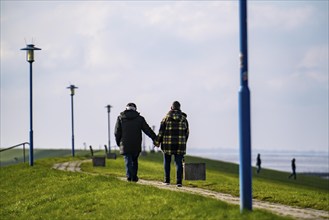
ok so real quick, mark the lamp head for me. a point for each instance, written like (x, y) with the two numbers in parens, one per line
(30, 52)
(72, 88)
(108, 108)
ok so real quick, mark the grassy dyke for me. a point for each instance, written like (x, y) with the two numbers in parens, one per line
(269, 185)
(40, 192)
(15, 156)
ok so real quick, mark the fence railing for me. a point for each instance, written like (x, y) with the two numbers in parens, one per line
(22, 144)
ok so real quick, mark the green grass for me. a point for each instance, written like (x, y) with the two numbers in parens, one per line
(40, 192)
(269, 185)
(15, 156)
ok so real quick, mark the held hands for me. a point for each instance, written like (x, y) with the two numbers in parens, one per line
(156, 143)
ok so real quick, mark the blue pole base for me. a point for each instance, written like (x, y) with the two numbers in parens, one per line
(73, 153)
(31, 149)
(245, 150)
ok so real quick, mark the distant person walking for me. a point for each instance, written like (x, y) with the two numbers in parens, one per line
(173, 135)
(293, 167)
(128, 136)
(258, 163)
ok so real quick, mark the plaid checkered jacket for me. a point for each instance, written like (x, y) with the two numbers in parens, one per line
(173, 133)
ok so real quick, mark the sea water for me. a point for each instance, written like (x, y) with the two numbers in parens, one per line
(306, 161)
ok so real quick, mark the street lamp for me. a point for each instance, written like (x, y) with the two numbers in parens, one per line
(30, 58)
(108, 125)
(72, 88)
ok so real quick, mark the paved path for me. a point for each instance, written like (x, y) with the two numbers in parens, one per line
(294, 212)
(73, 166)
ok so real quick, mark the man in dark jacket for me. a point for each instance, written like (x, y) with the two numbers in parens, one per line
(173, 135)
(128, 136)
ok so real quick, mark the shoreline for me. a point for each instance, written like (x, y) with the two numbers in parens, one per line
(323, 175)
(312, 164)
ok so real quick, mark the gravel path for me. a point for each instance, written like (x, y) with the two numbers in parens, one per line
(284, 210)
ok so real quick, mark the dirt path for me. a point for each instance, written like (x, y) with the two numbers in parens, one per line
(294, 212)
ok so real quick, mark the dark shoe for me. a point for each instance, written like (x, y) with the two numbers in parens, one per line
(166, 183)
(179, 185)
(135, 179)
(128, 179)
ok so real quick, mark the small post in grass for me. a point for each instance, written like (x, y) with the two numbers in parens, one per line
(98, 161)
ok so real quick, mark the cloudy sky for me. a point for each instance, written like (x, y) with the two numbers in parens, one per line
(155, 52)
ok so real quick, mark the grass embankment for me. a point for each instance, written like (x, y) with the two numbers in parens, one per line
(269, 185)
(15, 156)
(40, 192)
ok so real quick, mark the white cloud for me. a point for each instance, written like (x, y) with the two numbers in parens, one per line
(308, 72)
(315, 64)
(285, 17)
(194, 22)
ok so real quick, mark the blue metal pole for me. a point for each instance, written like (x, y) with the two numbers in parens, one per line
(109, 130)
(31, 118)
(244, 116)
(72, 124)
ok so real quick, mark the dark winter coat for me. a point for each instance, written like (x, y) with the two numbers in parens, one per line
(128, 131)
(173, 133)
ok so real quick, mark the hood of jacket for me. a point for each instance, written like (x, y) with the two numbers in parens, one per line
(176, 115)
(129, 114)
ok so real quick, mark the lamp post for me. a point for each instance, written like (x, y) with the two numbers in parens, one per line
(108, 125)
(30, 58)
(244, 115)
(72, 88)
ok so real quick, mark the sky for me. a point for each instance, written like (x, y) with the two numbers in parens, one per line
(155, 52)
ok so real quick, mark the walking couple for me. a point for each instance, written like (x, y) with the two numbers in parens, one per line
(172, 138)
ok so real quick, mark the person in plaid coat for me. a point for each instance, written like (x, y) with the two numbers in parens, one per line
(173, 135)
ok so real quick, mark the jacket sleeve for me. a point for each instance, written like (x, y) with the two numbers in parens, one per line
(162, 129)
(118, 131)
(147, 130)
(187, 131)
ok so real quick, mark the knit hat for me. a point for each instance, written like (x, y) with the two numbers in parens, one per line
(131, 106)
